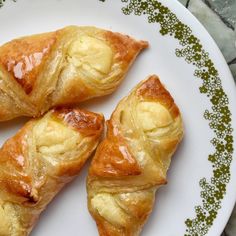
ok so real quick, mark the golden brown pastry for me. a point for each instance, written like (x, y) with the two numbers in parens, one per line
(67, 66)
(39, 160)
(131, 163)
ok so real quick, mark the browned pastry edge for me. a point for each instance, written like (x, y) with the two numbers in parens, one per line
(113, 171)
(46, 70)
(30, 177)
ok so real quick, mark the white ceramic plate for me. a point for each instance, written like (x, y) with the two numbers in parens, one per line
(184, 64)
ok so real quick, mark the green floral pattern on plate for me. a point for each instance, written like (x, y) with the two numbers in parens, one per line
(3, 1)
(219, 116)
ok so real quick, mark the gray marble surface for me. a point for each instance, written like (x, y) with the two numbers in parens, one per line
(219, 18)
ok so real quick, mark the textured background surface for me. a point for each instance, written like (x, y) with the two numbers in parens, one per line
(219, 18)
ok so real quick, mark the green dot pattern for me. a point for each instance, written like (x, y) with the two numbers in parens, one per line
(218, 116)
(3, 1)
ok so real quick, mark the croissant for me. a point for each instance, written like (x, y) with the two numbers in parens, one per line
(132, 162)
(39, 160)
(67, 66)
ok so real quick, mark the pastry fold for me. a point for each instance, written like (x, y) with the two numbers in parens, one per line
(132, 162)
(39, 160)
(64, 67)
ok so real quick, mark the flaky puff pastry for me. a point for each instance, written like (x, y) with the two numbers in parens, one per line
(132, 162)
(39, 160)
(67, 66)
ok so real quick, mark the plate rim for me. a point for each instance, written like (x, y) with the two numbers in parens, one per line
(226, 68)
(200, 220)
